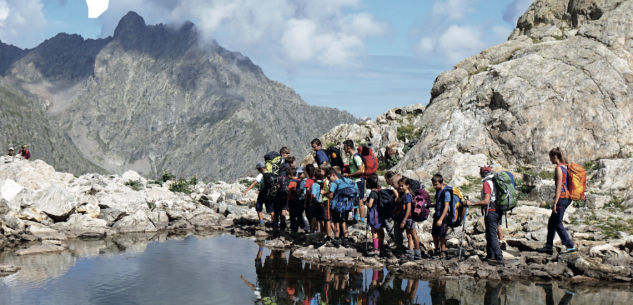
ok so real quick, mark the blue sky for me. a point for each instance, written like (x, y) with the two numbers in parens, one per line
(363, 56)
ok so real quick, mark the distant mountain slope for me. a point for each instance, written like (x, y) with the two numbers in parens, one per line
(152, 98)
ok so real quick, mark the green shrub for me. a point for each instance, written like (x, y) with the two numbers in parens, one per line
(194, 180)
(166, 177)
(159, 182)
(135, 185)
(180, 186)
(386, 164)
(405, 132)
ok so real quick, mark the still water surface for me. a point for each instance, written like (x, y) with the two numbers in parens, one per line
(230, 270)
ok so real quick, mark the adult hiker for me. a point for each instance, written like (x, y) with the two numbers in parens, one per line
(261, 197)
(356, 172)
(494, 256)
(24, 152)
(440, 224)
(11, 152)
(562, 200)
(321, 156)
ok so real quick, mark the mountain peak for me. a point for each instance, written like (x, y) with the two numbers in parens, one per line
(131, 22)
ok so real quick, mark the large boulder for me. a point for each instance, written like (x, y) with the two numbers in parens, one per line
(55, 201)
(9, 189)
(128, 202)
(614, 176)
(137, 222)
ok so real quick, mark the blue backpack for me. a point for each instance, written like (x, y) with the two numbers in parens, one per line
(456, 209)
(345, 196)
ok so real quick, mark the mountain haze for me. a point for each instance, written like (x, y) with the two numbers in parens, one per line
(153, 98)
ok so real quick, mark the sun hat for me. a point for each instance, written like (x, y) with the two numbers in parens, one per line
(11, 148)
(260, 164)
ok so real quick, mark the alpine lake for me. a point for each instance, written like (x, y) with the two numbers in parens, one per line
(217, 268)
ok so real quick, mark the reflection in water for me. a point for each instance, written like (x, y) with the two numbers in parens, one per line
(211, 269)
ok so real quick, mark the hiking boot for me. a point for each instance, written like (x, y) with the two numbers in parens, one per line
(345, 242)
(374, 252)
(407, 256)
(495, 262)
(294, 234)
(443, 256)
(260, 226)
(547, 249)
(417, 255)
(435, 254)
(569, 250)
(336, 242)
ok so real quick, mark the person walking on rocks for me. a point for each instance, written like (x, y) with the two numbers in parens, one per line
(11, 152)
(440, 224)
(375, 220)
(321, 156)
(338, 218)
(494, 256)
(295, 207)
(394, 231)
(562, 200)
(261, 197)
(405, 222)
(24, 152)
(356, 172)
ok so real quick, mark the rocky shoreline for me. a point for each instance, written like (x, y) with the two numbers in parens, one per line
(43, 211)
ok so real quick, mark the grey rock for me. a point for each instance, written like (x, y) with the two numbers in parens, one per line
(14, 223)
(137, 222)
(160, 219)
(112, 215)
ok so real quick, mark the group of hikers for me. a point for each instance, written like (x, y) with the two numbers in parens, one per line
(332, 195)
(24, 152)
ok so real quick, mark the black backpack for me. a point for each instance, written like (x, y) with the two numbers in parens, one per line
(334, 155)
(415, 185)
(270, 185)
(386, 203)
(283, 186)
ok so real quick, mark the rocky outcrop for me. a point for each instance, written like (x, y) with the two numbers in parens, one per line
(152, 98)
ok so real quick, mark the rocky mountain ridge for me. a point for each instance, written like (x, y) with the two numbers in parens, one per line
(153, 98)
(563, 79)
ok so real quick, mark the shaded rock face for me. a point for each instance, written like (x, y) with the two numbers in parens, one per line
(152, 98)
(516, 101)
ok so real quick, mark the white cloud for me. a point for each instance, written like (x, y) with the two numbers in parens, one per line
(459, 42)
(453, 9)
(96, 7)
(331, 32)
(514, 10)
(501, 31)
(20, 22)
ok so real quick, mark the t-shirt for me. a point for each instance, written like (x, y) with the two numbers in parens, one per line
(302, 189)
(259, 178)
(406, 200)
(373, 195)
(355, 164)
(321, 157)
(439, 202)
(25, 153)
(316, 191)
(487, 189)
(292, 190)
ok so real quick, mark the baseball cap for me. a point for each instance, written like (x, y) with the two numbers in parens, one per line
(11, 148)
(260, 164)
(23, 145)
(301, 169)
(484, 169)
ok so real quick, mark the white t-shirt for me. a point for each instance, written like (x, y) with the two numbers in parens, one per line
(259, 178)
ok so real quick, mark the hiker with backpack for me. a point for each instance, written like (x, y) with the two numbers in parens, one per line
(562, 200)
(443, 198)
(321, 156)
(310, 205)
(294, 205)
(321, 214)
(492, 220)
(356, 173)
(394, 230)
(343, 194)
(376, 221)
(261, 196)
(404, 221)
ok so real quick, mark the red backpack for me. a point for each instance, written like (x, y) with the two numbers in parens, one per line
(421, 202)
(369, 160)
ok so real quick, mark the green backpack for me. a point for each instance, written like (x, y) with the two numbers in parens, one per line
(506, 193)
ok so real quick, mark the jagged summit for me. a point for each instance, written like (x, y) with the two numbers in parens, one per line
(153, 98)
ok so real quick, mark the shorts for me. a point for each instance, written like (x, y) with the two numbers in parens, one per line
(326, 213)
(315, 211)
(361, 188)
(408, 225)
(280, 204)
(441, 230)
(260, 204)
(340, 217)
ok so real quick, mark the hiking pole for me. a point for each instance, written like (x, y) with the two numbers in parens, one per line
(366, 238)
(461, 242)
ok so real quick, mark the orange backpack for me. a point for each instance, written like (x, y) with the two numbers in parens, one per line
(576, 181)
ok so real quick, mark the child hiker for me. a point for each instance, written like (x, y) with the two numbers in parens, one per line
(377, 230)
(440, 225)
(405, 221)
(261, 197)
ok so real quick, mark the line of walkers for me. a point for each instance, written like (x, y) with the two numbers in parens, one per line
(332, 194)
